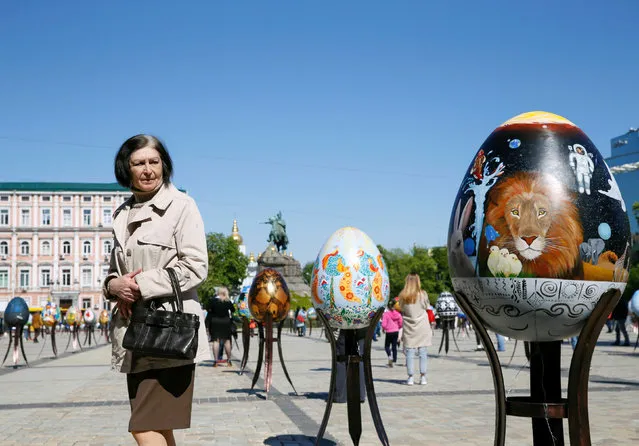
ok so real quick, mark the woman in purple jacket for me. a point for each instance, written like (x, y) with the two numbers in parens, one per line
(391, 323)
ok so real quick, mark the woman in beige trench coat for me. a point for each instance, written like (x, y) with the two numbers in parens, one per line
(158, 227)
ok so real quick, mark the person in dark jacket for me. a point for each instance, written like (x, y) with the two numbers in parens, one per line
(620, 314)
(218, 323)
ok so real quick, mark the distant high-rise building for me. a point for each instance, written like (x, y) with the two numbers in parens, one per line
(624, 164)
(56, 241)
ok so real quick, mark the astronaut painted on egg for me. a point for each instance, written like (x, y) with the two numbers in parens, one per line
(582, 165)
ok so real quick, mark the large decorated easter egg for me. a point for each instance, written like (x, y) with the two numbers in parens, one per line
(71, 317)
(539, 229)
(634, 303)
(349, 281)
(50, 314)
(269, 294)
(88, 316)
(446, 306)
(243, 308)
(16, 314)
(104, 318)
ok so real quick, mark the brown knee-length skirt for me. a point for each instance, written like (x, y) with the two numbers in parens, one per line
(161, 399)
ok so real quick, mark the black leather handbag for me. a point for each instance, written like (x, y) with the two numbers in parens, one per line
(160, 333)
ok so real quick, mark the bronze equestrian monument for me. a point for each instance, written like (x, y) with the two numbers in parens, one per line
(275, 257)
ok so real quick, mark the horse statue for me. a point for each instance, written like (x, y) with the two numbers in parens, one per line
(277, 236)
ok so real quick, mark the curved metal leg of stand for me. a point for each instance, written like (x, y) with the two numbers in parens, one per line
(636, 343)
(513, 355)
(368, 379)
(69, 340)
(332, 384)
(268, 363)
(8, 346)
(353, 396)
(260, 356)
(444, 333)
(495, 367)
(455, 339)
(279, 351)
(53, 344)
(87, 336)
(77, 336)
(24, 355)
(246, 344)
(44, 343)
(578, 423)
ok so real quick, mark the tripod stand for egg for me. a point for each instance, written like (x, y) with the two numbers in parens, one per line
(353, 358)
(545, 405)
(73, 336)
(54, 347)
(17, 340)
(90, 331)
(266, 339)
(448, 325)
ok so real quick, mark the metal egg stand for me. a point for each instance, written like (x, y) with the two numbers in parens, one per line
(353, 359)
(16, 340)
(266, 340)
(545, 404)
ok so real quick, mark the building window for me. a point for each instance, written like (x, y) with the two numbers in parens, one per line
(87, 277)
(86, 247)
(106, 216)
(107, 199)
(66, 198)
(66, 217)
(25, 217)
(45, 277)
(4, 248)
(6, 198)
(66, 247)
(86, 303)
(4, 217)
(66, 277)
(25, 248)
(105, 272)
(107, 246)
(4, 278)
(46, 217)
(24, 278)
(86, 217)
(86, 199)
(45, 248)
(25, 198)
(46, 198)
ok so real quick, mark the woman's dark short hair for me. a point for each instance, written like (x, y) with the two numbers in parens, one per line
(122, 167)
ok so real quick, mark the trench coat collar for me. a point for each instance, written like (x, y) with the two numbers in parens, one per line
(160, 202)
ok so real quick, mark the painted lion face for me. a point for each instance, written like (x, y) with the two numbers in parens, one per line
(529, 217)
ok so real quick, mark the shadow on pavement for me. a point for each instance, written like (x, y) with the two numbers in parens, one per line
(296, 440)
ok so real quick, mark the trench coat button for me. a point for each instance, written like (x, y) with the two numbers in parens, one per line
(128, 253)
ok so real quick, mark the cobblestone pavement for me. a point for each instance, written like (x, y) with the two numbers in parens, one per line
(76, 400)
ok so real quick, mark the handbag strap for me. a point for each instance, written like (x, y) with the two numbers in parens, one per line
(177, 292)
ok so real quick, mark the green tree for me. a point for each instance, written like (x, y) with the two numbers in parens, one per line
(227, 266)
(307, 272)
(635, 210)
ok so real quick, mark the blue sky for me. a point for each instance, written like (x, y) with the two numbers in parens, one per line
(362, 113)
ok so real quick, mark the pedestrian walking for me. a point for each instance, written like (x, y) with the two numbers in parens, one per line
(417, 334)
(391, 324)
(219, 325)
(157, 227)
(620, 315)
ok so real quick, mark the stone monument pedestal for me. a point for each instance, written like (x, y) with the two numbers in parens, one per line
(287, 266)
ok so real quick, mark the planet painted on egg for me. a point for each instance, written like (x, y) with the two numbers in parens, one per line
(16, 314)
(349, 280)
(542, 256)
(269, 294)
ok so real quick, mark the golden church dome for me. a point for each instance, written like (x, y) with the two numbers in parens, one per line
(235, 233)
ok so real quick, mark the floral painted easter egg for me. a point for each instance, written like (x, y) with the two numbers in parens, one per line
(16, 314)
(71, 317)
(349, 281)
(50, 314)
(243, 308)
(88, 316)
(269, 294)
(539, 229)
(446, 307)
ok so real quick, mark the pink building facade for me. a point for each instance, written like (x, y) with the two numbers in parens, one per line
(55, 241)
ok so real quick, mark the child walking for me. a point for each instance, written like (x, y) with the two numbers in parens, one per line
(391, 323)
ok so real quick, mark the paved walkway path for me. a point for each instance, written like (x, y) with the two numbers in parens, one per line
(76, 400)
